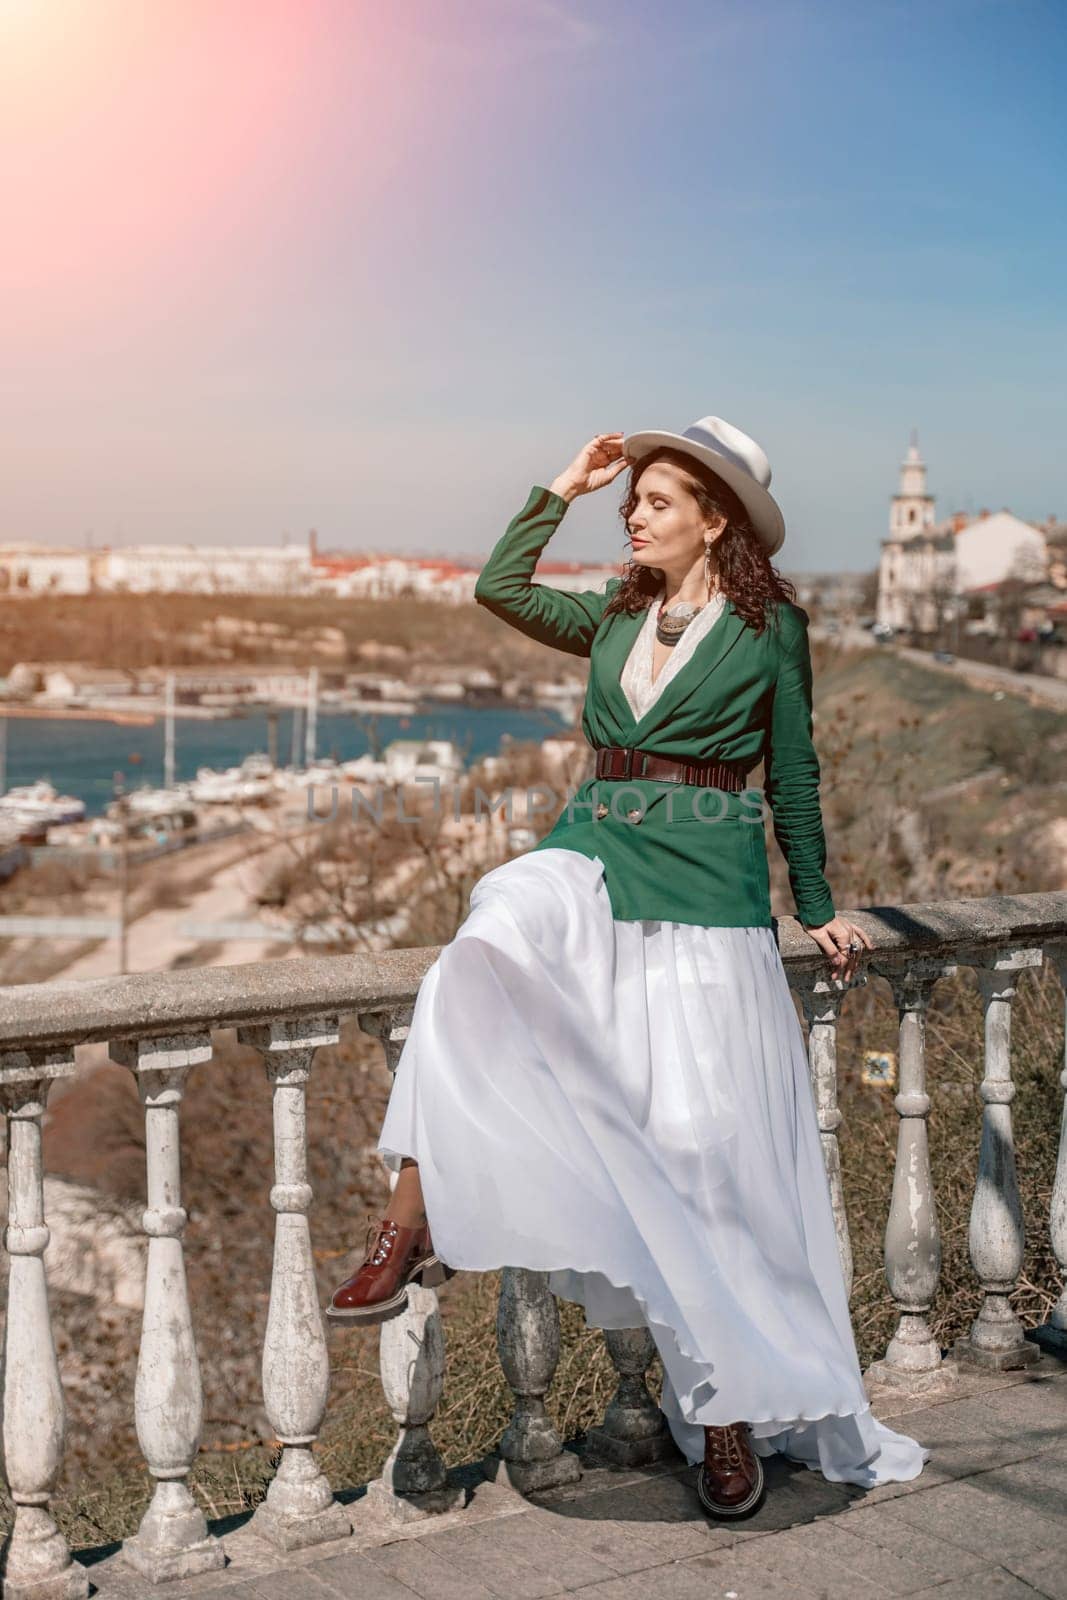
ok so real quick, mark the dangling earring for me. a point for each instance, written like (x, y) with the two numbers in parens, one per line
(708, 563)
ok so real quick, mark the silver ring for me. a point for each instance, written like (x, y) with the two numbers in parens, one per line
(854, 944)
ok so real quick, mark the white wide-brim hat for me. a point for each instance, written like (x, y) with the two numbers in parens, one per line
(736, 458)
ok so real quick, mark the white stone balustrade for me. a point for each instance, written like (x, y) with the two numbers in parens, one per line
(411, 1359)
(912, 1243)
(996, 1236)
(821, 1001)
(36, 1560)
(300, 1509)
(634, 1431)
(172, 1541)
(159, 1025)
(530, 1454)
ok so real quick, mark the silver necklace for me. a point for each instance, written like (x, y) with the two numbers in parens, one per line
(672, 622)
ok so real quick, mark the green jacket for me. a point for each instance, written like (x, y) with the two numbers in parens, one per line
(740, 697)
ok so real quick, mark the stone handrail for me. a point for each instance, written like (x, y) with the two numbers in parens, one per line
(159, 1026)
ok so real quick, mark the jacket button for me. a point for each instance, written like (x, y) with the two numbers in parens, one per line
(636, 814)
(601, 810)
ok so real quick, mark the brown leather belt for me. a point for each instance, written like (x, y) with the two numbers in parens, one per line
(622, 761)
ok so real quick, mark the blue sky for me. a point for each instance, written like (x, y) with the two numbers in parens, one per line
(378, 273)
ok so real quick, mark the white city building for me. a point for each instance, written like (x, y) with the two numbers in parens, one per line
(928, 568)
(207, 569)
(38, 569)
(574, 578)
(290, 568)
(997, 547)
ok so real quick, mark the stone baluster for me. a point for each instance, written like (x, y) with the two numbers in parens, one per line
(172, 1541)
(530, 1454)
(1052, 1335)
(411, 1355)
(996, 1235)
(821, 999)
(36, 1562)
(634, 1431)
(300, 1509)
(414, 1481)
(912, 1237)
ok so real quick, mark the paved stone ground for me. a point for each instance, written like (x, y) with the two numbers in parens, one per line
(987, 1518)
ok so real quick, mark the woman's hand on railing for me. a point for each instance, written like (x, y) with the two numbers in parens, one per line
(834, 937)
(595, 465)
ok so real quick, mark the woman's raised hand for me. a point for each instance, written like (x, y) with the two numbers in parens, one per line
(595, 465)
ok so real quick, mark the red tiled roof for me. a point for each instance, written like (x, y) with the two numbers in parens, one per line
(444, 567)
(574, 566)
(341, 563)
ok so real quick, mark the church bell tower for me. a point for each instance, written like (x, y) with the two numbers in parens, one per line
(912, 509)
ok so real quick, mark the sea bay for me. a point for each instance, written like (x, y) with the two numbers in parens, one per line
(81, 757)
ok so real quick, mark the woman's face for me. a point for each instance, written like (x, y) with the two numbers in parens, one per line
(667, 526)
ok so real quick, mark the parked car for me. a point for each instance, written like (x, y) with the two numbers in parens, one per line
(944, 655)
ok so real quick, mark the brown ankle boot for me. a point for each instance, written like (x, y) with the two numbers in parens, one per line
(394, 1255)
(730, 1482)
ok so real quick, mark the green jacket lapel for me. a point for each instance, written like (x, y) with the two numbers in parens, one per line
(608, 659)
(612, 654)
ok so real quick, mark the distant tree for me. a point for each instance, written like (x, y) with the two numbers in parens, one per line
(945, 602)
(912, 604)
(1009, 605)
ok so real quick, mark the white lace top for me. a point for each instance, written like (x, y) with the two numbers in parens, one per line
(636, 680)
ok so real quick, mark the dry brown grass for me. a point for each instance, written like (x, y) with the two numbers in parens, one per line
(891, 736)
(139, 631)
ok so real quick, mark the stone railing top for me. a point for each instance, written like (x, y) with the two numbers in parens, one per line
(45, 1016)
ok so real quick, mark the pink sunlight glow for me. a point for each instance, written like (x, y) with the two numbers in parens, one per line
(152, 153)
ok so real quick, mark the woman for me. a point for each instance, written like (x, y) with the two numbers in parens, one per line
(605, 1078)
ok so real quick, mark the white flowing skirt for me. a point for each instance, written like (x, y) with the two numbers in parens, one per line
(627, 1107)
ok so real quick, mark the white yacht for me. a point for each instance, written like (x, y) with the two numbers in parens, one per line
(41, 800)
(150, 802)
(233, 786)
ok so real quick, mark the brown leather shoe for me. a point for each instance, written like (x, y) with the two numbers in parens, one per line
(394, 1255)
(730, 1482)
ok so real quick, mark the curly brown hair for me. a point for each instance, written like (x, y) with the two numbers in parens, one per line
(747, 576)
